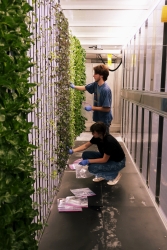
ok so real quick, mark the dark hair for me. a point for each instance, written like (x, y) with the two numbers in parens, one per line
(98, 127)
(102, 70)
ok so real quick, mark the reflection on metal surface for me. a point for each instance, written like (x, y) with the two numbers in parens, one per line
(151, 101)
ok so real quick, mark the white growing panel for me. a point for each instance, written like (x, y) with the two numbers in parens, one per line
(131, 66)
(136, 60)
(163, 183)
(129, 121)
(141, 58)
(128, 66)
(124, 118)
(149, 51)
(158, 47)
(134, 131)
(145, 144)
(153, 153)
(138, 145)
(126, 122)
(43, 116)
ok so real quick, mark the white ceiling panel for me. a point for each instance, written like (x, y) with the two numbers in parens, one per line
(103, 17)
(106, 4)
(108, 24)
(100, 41)
(100, 31)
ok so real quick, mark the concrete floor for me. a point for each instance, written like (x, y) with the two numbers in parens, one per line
(118, 217)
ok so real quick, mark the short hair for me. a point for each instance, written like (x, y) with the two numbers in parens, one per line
(102, 70)
(99, 127)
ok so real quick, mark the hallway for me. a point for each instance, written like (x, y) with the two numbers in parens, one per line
(118, 217)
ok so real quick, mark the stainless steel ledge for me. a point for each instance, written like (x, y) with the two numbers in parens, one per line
(156, 102)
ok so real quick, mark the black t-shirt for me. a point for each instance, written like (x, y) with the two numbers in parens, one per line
(110, 146)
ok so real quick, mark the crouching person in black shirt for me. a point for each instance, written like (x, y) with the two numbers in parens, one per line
(107, 163)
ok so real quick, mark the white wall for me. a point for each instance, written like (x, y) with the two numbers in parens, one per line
(114, 81)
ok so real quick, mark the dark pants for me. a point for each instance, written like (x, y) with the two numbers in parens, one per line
(108, 170)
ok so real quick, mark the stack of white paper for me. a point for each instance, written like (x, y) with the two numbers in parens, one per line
(82, 192)
(63, 207)
(75, 203)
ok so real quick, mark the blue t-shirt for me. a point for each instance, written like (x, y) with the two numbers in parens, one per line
(102, 98)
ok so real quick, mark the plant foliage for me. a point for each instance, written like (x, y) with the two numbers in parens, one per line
(70, 59)
(62, 88)
(17, 229)
(78, 77)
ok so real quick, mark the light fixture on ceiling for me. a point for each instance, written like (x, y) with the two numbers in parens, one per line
(164, 14)
(95, 47)
(109, 57)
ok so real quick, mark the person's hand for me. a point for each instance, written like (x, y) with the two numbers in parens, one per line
(88, 108)
(72, 85)
(70, 151)
(84, 162)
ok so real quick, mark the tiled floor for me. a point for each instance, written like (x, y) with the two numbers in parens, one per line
(118, 217)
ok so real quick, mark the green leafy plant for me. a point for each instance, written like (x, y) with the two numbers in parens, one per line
(62, 86)
(80, 79)
(77, 76)
(17, 226)
(18, 212)
(71, 67)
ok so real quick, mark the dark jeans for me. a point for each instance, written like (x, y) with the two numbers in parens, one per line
(108, 170)
(107, 128)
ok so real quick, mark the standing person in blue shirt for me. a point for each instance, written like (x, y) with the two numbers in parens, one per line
(102, 95)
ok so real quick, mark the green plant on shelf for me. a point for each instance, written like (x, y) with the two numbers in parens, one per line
(18, 229)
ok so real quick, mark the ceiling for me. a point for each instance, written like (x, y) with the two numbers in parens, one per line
(105, 25)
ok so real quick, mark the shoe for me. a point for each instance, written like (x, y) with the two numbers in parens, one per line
(97, 179)
(115, 181)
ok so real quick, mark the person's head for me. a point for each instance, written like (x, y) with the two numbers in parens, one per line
(98, 129)
(102, 70)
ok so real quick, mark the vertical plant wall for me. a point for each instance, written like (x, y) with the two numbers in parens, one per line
(40, 115)
(54, 128)
(62, 89)
(17, 229)
(78, 77)
(45, 115)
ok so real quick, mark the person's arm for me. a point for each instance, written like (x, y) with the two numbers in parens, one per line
(102, 109)
(94, 108)
(80, 148)
(98, 160)
(80, 88)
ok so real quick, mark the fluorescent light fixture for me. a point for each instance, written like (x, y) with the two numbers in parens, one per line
(109, 57)
(104, 51)
(164, 14)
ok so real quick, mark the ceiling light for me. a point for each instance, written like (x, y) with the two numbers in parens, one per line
(109, 57)
(164, 14)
